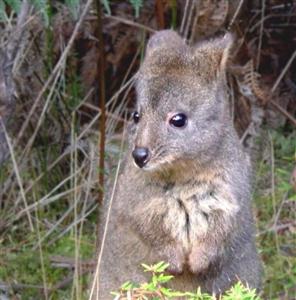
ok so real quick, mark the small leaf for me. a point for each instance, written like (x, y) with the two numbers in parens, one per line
(107, 6)
(116, 295)
(169, 293)
(238, 291)
(127, 286)
(160, 267)
(137, 4)
(147, 268)
(148, 286)
(154, 280)
(164, 278)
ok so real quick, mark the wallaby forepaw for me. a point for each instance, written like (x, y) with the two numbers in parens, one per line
(199, 266)
(175, 257)
(198, 261)
(174, 269)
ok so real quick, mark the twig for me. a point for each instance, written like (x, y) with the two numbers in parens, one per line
(277, 82)
(69, 263)
(101, 79)
(276, 228)
(278, 214)
(75, 293)
(17, 174)
(159, 14)
(109, 114)
(261, 34)
(235, 14)
(283, 111)
(194, 24)
(273, 185)
(95, 284)
(130, 23)
(184, 17)
(14, 44)
(189, 19)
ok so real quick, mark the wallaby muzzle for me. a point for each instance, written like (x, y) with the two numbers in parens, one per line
(141, 156)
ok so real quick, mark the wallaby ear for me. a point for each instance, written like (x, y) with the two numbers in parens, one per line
(164, 39)
(216, 51)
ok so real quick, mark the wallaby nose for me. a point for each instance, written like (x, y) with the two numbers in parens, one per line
(141, 156)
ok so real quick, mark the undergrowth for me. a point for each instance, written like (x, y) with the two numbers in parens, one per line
(155, 289)
(275, 206)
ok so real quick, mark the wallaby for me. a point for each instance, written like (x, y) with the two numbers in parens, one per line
(183, 194)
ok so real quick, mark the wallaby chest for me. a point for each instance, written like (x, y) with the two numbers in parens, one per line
(174, 210)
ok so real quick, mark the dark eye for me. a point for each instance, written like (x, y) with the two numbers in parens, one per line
(136, 117)
(178, 120)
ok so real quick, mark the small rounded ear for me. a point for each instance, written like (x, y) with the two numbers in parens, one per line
(216, 50)
(164, 39)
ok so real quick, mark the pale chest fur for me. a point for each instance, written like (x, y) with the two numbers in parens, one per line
(190, 209)
(180, 212)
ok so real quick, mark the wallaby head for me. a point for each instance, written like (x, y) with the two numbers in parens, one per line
(181, 109)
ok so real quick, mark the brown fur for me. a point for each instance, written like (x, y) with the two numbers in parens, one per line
(190, 205)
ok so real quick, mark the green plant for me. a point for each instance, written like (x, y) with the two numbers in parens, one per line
(45, 9)
(74, 7)
(14, 4)
(155, 288)
(107, 6)
(137, 4)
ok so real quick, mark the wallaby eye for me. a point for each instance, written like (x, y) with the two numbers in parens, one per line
(136, 117)
(178, 120)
